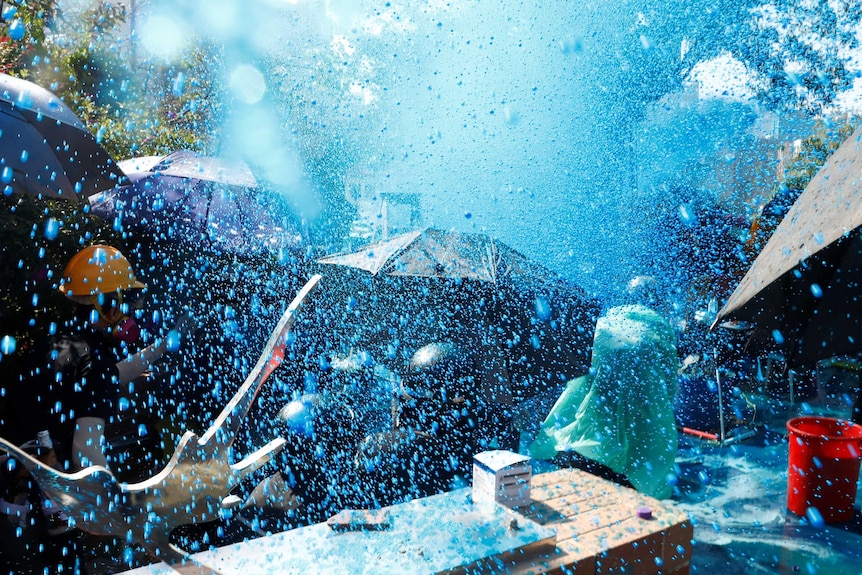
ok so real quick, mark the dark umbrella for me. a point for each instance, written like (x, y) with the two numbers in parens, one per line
(45, 148)
(199, 200)
(803, 290)
(533, 326)
(466, 325)
(209, 239)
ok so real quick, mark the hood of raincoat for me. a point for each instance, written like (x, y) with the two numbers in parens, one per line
(621, 414)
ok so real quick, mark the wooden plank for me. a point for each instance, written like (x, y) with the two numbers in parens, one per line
(437, 534)
(576, 524)
(677, 546)
(599, 530)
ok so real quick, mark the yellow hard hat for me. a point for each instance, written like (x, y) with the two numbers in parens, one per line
(97, 270)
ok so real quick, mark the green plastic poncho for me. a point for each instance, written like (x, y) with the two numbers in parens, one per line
(621, 414)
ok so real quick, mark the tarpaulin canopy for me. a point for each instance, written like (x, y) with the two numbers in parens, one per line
(803, 289)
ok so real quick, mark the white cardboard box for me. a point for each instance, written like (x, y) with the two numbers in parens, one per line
(502, 476)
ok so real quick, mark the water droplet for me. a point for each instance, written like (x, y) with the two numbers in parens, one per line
(6, 175)
(510, 115)
(816, 291)
(570, 46)
(173, 340)
(52, 228)
(8, 345)
(100, 257)
(687, 215)
(543, 308)
(776, 335)
(179, 84)
(815, 518)
(16, 29)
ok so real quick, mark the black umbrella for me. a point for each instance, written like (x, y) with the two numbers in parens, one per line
(45, 148)
(533, 327)
(802, 293)
(199, 200)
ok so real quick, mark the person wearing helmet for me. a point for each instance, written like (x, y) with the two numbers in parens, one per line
(76, 384)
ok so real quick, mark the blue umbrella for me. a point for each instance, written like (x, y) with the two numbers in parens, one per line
(45, 148)
(201, 201)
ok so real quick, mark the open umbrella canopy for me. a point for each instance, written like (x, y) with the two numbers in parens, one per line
(435, 285)
(208, 201)
(436, 253)
(803, 289)
(45, 148)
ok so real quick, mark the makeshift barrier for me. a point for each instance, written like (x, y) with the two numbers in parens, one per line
(823, 467)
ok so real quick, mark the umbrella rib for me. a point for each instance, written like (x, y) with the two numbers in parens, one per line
(492, 249)
(385, 268)
(206, 219)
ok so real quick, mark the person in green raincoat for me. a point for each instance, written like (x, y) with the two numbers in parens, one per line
(619, 418)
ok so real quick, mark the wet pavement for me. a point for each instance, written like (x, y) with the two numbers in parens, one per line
(736, 496)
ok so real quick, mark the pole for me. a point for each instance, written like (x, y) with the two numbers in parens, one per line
(720, 401)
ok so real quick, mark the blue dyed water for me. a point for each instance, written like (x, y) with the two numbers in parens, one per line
(605, 140)
(575, 133)
(736, 496)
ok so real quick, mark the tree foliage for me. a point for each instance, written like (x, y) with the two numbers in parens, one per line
(133, 107)
(796, 51)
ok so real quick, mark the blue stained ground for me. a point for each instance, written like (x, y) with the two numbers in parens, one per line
(736, 496)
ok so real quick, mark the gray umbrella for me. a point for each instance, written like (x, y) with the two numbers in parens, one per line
(200, 201)
(803, 290)
(45, 148)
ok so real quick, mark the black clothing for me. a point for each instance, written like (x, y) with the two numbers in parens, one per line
(573, 459)
(71, 376)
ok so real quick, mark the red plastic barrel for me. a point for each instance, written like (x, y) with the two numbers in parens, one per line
(824, 466)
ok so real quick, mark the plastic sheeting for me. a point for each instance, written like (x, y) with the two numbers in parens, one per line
(621, 414)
